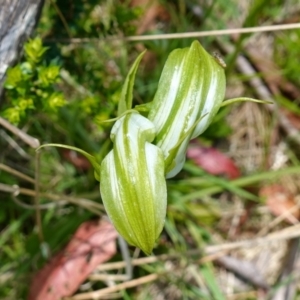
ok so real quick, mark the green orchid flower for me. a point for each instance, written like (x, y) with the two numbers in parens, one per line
(190, 92)
(148, 150)
(133, 185)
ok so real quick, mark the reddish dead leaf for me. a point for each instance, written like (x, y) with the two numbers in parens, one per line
(280, 201)
(92, 244)
(213, 161)
(76, 159)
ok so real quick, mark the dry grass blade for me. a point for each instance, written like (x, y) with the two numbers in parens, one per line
(92, 206)
(108, 277)
(185, 35)
(112, 289)
(284, 234)
(31, 141)
(211, 251)
(16, 173)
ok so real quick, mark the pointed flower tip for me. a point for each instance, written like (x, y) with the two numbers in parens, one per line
(189, 94)
(133, 185)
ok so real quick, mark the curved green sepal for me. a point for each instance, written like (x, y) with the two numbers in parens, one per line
(133, 185)
(90, 157)
(192, 85)
(244, 99)
(125, 102)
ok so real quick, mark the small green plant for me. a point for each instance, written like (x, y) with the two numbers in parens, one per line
(31, 84)
(147, 150)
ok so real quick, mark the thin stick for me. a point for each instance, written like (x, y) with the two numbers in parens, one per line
(284, 234)
(185, 35)
(31, 141)
(280, 218)
(126, 257)
(41, 206)
(16, 173)
(111, 277)
(14, 144)
(211, 251)
(38, 216)
(134, 262)
(118, 287)
(92, 206)
(287, 233)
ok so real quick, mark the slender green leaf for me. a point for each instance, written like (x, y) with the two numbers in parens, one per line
(125, 102)
(209, 277)
(13, 227)
(242, 182)
(90, 157)
(244, 99)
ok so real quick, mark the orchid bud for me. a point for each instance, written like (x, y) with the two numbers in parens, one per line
(190, 92)
(133, 185)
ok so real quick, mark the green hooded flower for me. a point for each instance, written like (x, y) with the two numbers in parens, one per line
(190, 92)
(133, 185)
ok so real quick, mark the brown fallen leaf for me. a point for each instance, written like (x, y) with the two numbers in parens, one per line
(92, 244)
(280, 201)
(212, 161)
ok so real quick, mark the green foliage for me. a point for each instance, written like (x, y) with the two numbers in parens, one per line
(89, 18)
(287, 47)
(97, 68)
(30, 85)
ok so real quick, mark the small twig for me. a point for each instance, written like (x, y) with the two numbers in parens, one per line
(37, 198)
(92, 206)
(112, 289)
(110, 277)
(280, 218)
(42, 206)
(185, 35)
(117, 295)
(284, 234)
(14, 144)
(211, 251)
(134, 262)
(126, 257)
(31, 141)
(16, 173)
